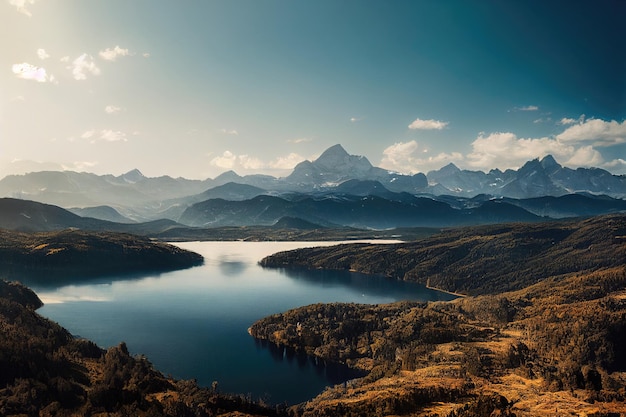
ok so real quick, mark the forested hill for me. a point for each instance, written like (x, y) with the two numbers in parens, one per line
(80, 253)
(553, 346)
(480, 260)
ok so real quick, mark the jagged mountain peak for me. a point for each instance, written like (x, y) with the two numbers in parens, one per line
(336, 157)
(334, 151)
(333, 166)
(548, 162)
(450, 168)
(133, 176)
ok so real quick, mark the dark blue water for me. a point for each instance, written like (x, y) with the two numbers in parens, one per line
(193, 323)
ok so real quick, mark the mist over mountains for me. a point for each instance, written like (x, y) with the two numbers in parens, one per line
(336, 189)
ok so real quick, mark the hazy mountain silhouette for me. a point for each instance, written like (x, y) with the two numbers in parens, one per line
(335, 173)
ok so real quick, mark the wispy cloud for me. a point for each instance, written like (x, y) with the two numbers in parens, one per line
(356, 119)
(430, 124)
(79, 166)
(526, 108)
(82, 65)
(113, 135)
(299, 140)
(88, 134)
(567, 121)
(28, 71)
(111, 54)
(229, 131)
(107, 135)
(42, 54)
(286, 162)
(111, 109)
(20, 5)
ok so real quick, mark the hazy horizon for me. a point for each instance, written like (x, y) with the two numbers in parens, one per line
(199, 88)
(51, 167)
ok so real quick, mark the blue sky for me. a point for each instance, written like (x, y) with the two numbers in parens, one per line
(195, 88)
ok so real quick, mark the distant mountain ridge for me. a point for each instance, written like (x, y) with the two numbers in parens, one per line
(335, 172)
(536, 178)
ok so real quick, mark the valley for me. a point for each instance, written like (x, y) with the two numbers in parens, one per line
(536, 256)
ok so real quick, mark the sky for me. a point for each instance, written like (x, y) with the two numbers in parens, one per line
(194, 88)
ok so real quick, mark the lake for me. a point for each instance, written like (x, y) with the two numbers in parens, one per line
(192, 324)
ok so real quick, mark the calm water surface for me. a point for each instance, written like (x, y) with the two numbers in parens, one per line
(193, 323)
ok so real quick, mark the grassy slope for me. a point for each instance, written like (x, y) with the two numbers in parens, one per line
(547, 335)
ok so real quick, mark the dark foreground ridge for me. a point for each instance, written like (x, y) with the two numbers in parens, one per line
(76, 253)
(44, 371)
(544, 332)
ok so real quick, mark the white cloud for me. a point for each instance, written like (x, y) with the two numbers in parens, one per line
(107, 135)
(88, 134)
(79, 166)
(597, 131)
(82, 65)
(574, 147)
(113, 135)
(111, 54)
(111, 109)
(356, 119)
(42, 54)
(585, 156)
(20, 5)
(286, 162)
(526, 108)
(229, 160)
(567, 121)
(299, 140)
(406, 157)
(505, 150)
(617, 166)
(429, 124)
(229, 131)
(28, 71)
(146, 54)
(65, 59)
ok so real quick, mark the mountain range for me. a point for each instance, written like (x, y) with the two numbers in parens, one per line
(335, 189)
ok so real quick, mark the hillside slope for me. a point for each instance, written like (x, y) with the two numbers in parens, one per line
(546, 336)
(480, 260)
(75, 253)
(44, 371)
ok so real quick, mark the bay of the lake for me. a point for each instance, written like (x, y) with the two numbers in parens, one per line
(192, 324)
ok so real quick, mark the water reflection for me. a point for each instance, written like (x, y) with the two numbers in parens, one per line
(192, 323)
(231, 267)
(52, 279)
(368, 285)
(334, 373)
